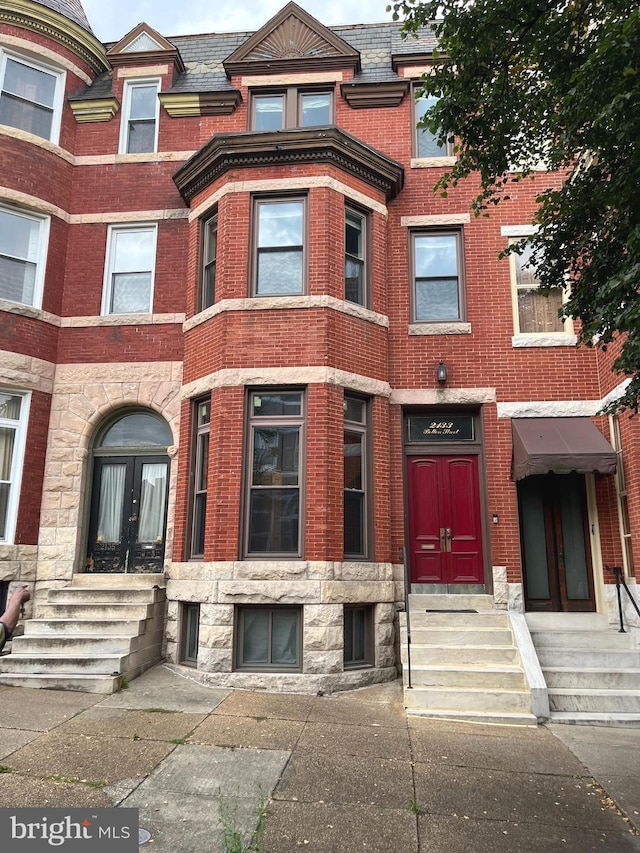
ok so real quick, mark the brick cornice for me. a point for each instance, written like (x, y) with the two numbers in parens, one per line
(184, 104)
(46, 22)
(328, 145)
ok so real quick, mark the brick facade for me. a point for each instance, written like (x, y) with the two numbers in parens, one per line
(83, 366)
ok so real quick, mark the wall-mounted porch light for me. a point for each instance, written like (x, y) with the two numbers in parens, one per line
(441, 373)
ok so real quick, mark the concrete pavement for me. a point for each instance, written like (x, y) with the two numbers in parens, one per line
(331, 773)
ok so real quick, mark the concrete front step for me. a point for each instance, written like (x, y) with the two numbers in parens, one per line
(104, 595)
(95, 611)
(436, 619)
(573, 700)
(592, 678)
(484, 717)
(418, 601)
(481, 676)
(601, 658)
(76, 644)
(98, 664)
(591, 718)
(451, 655)
(118, 579)
(599, 639)
(82, 627)
(442, 636)
(103, 684)
(462, 700)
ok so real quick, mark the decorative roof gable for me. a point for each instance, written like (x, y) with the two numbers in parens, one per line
(292, 40)
(143, 45)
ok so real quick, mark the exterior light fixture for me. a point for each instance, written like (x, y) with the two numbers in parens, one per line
(441, 373)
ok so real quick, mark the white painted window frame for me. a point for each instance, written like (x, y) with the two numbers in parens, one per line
(129, 86)
(17, 461)
(105, 310)
(58, 100)
(44, 223)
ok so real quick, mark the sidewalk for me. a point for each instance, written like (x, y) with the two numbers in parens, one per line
(337, 774)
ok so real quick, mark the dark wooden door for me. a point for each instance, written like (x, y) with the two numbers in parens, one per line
(128, 514)
(555, 546)
(445, 522)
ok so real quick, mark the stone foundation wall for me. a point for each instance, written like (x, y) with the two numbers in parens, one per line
(18, 564)
(320, 588)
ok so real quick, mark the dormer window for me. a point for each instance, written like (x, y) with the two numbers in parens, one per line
(290, 108)
(139, 128)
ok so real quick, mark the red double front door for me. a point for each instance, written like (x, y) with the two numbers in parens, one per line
(445, 522)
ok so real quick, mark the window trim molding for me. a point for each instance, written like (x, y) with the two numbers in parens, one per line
(626, 540)
(283, 198)
(364, 429)
(58, 73)
(203, 265)
(43, 251)
(432, 159)
(458, 232)
(566, 337)
(198, 433)
(273, 420)
(238, 648)
(107, 294)
(17, 462)
(186, 609)
(129, 85)
(365, 216)
(369, 637)
(292, 103)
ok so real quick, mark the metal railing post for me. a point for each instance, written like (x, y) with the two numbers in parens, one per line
(407, 587)
(617, 572)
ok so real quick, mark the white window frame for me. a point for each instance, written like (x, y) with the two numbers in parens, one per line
(129, 86)
(43, 248)
(17, 461)
(567, 330)
(107, 293)
(58, 99)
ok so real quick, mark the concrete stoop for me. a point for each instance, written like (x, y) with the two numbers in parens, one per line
(592, 671)
(465, 664)
(90, 635)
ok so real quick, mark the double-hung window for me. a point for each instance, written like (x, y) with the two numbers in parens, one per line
(140, 113)
(30, 96)
(129, 270)
(437, 276)
(356, 476)
(269, 638)
(355, 256)
(425, 143)
(14, 412)
(279, 254)
(290, 108)
(209, 254)
(533, 312)
(23, 253)
(200, 468)
(276, 424)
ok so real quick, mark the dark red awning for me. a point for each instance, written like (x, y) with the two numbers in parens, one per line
(559, 445)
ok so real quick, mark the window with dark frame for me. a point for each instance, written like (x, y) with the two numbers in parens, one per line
(269, 638)
(190, 629)
(279, 255)
(358, 636)
(276, 423)
(290, 108)
(209, 255)
(425, 143)
(355, 454)
(200, 467)
(437, 276)
(355, 248)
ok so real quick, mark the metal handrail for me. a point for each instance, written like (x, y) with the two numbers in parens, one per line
(620, 581)
(407, 588)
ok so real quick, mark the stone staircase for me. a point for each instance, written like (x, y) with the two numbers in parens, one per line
(90, 635)
(592, 671)
(465, 663)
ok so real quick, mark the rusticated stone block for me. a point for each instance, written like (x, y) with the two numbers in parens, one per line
(282, 592)
(216, 614)
(327, 661)
(356, 592)
(323, 614)
(322, 639)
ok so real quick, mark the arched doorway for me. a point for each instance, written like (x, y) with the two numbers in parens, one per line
(128, 516)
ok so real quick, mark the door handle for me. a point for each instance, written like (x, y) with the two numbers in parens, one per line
(133, 518)
(443, 540)
(447, 534)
